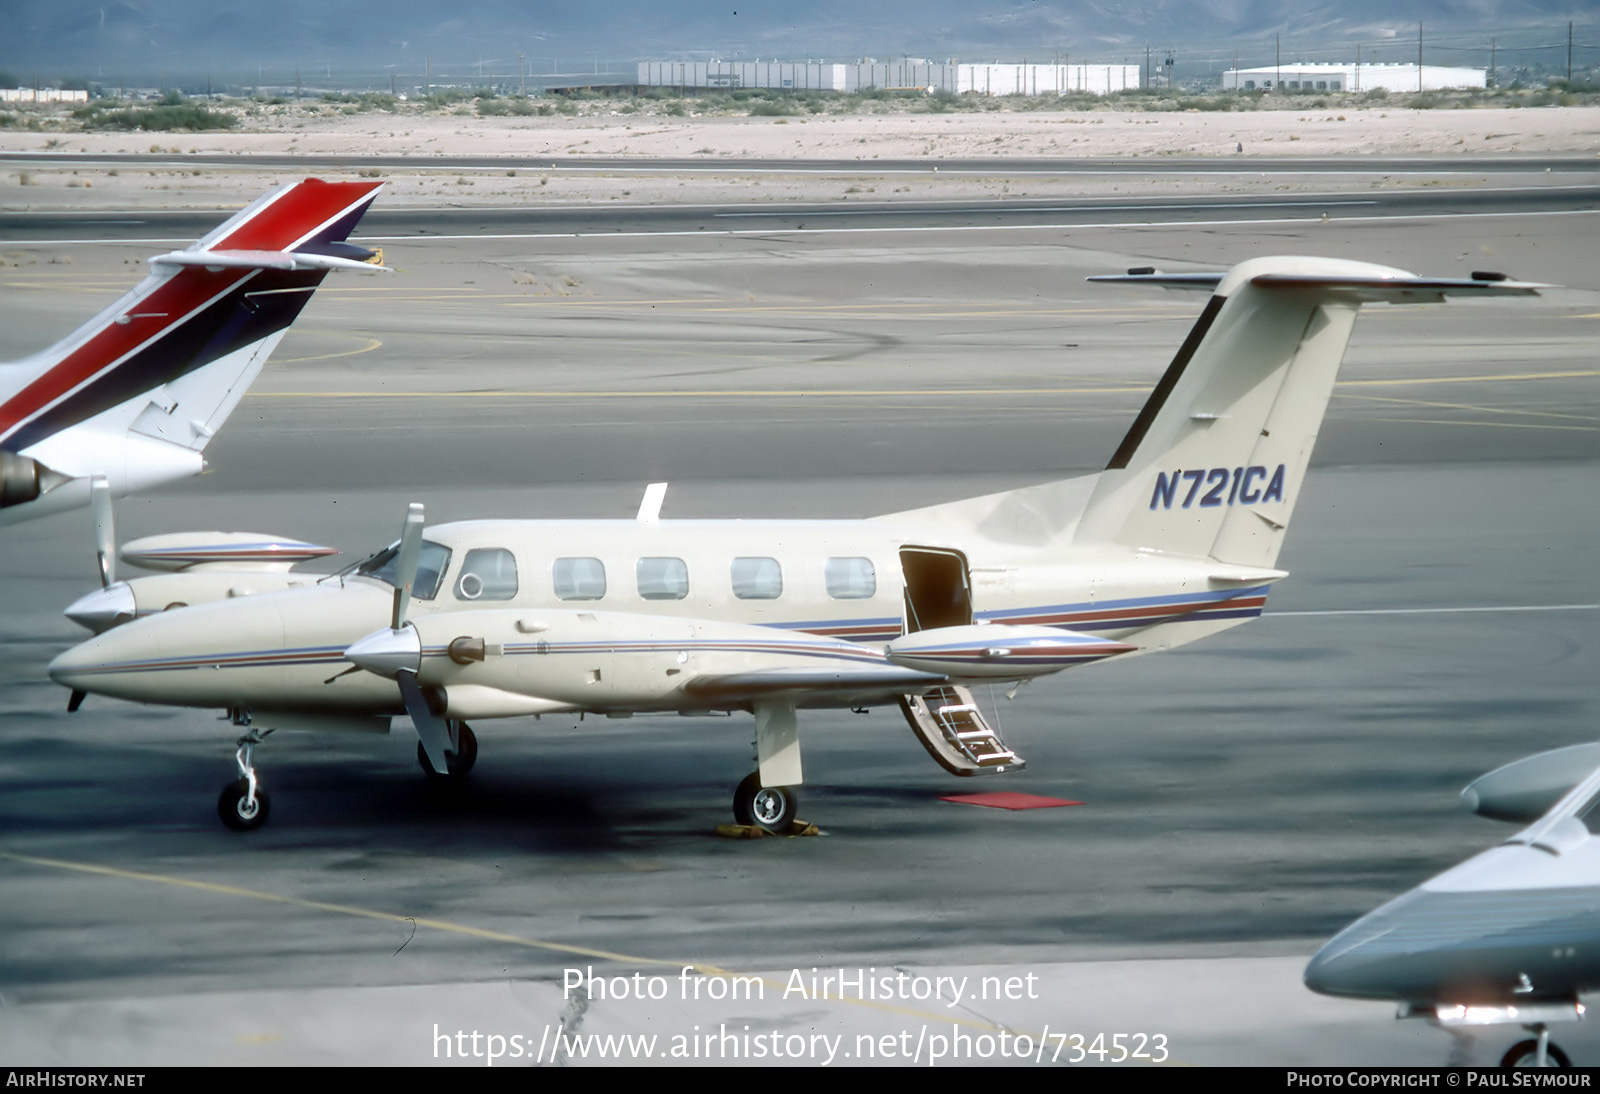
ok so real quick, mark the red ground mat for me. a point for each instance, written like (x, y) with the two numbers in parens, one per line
(1008, 799)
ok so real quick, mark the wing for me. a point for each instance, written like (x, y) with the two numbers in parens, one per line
(843, 686)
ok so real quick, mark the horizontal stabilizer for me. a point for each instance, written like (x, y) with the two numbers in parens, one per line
(1199, 282)
(1401, 290)
(266, 260)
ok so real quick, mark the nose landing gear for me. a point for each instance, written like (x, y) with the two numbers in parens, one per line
(458, 760)
(1537, 1052)
(243, 805)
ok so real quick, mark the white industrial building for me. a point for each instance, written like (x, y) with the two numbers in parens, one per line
(998, 79)
(1352, 77)
(41, 95)
(905, 75)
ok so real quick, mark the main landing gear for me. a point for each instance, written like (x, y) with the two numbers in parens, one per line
(769, 807)
(243, 805)
(1537, 1052)
(459, 759)
(777, 747)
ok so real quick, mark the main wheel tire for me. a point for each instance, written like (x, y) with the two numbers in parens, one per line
(769, 807)
(466, 755)
(233, 806)
(742, 797)
(1524, 1053)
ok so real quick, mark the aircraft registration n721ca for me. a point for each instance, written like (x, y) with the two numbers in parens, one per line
(1176, 539)
(133, 396)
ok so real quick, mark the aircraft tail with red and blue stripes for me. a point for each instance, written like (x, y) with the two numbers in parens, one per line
(136, 393)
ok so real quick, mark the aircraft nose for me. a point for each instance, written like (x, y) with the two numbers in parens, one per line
(1329, 972)
(93, 664)
(104, 608)
(388, 652)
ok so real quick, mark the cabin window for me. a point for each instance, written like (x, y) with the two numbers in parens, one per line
(579, 578)
(662, 578)
(850, 578)
(489, 573)
(757, 579)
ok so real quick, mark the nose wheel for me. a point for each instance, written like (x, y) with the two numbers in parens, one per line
(243, 808)
(243, 805)
(459, 760)
(769, 807)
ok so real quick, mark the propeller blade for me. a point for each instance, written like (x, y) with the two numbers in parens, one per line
(105, 533)
(432, 730)
(405, 565)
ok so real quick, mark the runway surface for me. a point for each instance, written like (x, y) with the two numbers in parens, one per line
(1244, 798)
(23, 227)
(1140, 168)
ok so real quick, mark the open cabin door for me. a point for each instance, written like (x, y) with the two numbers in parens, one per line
(946, 719)
(938, 590)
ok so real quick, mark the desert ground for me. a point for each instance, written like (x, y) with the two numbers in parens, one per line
(538, 152)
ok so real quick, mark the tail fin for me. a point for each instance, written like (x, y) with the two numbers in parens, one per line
(137, 392)
(1214, 462)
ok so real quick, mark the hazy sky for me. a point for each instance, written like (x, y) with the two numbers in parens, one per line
(103, 37)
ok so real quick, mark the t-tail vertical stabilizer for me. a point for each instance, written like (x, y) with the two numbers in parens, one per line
(137, 392)
(1214, 463)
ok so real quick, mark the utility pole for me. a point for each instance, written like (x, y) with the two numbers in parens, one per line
(1569, 64)
(1419, 56)
(1492, 80)
(522, 75)
(1358, 66)
(1277, 50)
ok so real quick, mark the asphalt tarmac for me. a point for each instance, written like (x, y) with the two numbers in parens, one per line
(1243, 798)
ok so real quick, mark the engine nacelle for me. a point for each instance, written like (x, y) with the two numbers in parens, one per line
(1524, 790)
(998, 651)
(234, 552)
(19, 479)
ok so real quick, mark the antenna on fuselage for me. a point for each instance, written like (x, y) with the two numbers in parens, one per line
(650, 506)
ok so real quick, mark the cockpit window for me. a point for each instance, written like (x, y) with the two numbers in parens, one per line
(432, 560)
(489, 573)
(1589, 814)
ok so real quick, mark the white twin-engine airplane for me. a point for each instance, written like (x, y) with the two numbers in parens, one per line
(133, 396)
(1509, 937)
(1176, 539)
